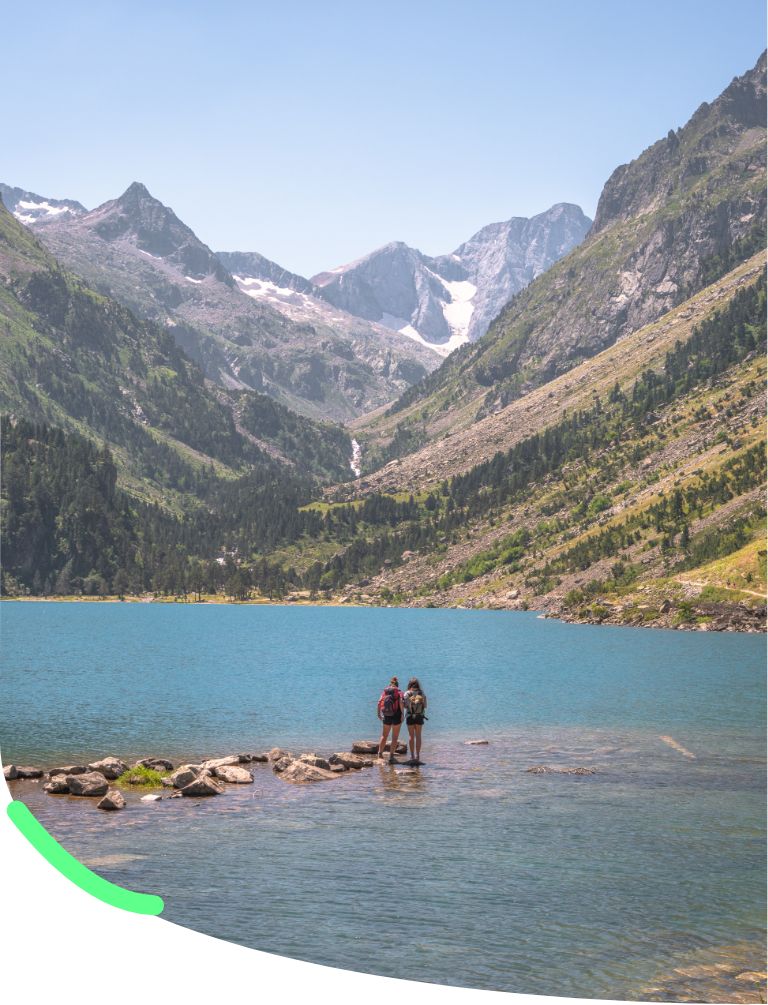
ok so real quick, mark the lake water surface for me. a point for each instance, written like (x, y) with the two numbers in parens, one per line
(467, 871)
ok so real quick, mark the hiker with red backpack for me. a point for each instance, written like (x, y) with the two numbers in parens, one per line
(390, 711)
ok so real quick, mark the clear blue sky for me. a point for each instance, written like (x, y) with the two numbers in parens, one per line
(314, 132)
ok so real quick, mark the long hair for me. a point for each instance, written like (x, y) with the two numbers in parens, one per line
(413, 684)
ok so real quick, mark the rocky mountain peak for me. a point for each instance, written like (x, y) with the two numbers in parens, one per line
(30, 208)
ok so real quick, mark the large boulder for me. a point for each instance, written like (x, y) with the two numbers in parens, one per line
(315, 761)
(57, 785)
(205, 785)
(10, 772)
(298, 772)
(113, 800)
(155, 764)
(110, 767)
(350, 760)
(92, 783)
(29, 772)
(233, 774)
(68, 769)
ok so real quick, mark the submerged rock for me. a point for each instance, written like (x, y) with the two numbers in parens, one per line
(545, 769)
(476, 743)
(151, 798)
(92, 783)
(110, 767)
(233, 774)
(155, 764)
(57, 785)
(372, 747)
(205, 785)
(113, 800)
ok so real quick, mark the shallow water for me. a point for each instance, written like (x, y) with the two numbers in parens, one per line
(497, 878)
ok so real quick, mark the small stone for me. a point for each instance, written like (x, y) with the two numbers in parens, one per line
(476, 743)
(276, 753)
(69, 769)
(166, 783)
(10, 772)
(299, 772)
(150, 798)
(110, 767)
(338, 768)
(203, 786)
(544, 769)
(233, 774)
(350, 761)
(92, 783)
(113, 800)
(222, 762)
(29, 772)
(183, 776)
(57, 785)
(256, 758)
(315, 761)
(155, 764)
(281, 763)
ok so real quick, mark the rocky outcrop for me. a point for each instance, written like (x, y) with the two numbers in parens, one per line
(233, 774)
(113, 800)
(110, 767)
(92, 783)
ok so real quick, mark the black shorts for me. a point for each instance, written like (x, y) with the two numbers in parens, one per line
(414, 720)
(393, 720)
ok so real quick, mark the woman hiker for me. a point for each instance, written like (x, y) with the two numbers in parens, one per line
(415, 702)
(390, 711)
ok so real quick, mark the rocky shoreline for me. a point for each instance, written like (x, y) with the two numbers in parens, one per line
(209, 777)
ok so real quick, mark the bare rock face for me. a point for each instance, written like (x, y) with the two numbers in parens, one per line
(57, 785)
(155, 764)
(10, 772)
(92, 783)
(205, 785)
(29, 772)
(544, 769)
(313, 759)
(298, 772)
(113, 800)
(350, 761)
(110, 767)
(233, 774)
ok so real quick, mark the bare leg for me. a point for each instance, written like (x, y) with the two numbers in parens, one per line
(382, 742)
(393, 745)
(412, 741)
(417, 731)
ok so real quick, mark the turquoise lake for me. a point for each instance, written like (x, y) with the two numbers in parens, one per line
(469, 870)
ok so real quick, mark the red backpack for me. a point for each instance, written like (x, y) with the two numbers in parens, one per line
(390, 701)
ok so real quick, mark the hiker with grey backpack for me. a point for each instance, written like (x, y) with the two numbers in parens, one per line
(415, 702)
(390, 711)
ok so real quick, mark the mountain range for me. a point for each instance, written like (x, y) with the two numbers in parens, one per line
(598, 452)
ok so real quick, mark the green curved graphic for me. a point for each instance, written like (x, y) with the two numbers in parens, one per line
(79, 874)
